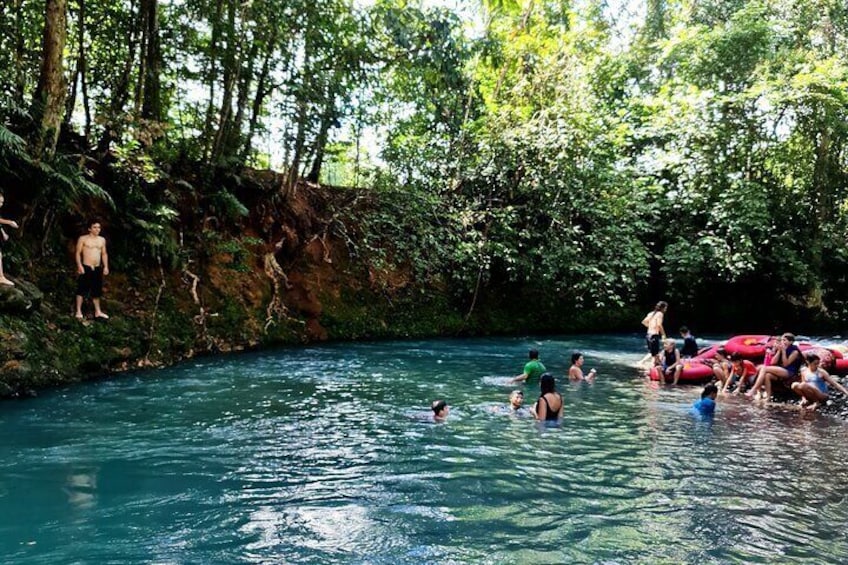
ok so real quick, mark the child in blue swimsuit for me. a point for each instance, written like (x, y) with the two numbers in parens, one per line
(706, 406)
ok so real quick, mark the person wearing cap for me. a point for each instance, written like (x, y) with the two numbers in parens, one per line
(441, 410)
(533, 369)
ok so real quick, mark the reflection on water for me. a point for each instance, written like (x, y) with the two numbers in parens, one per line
(81, 487)
(328, 454)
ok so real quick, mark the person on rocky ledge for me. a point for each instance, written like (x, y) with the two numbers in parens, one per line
(4, 237)
(92, 265)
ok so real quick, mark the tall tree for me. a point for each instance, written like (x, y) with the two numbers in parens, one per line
(48, 102)
(151, 66)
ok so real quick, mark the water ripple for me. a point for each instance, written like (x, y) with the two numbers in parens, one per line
(329, 454)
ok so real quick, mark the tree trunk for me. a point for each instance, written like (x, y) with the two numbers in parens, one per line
(327, 119)
(212, 77)
(138, 97)
(49, 99)
(151, 108)
(79, 79)
(20, 54)
(299, 142)
(302, 113)
(262, 91)
(233, 138)
(121, 95)
(86, 101)
(231, 75)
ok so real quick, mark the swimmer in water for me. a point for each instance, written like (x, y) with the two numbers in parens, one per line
(515, 406)
(575, 372)
(706, 406)
(549, 407)
(533, 369)
(441, 410)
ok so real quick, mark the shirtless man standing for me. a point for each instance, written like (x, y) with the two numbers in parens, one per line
(92, 265)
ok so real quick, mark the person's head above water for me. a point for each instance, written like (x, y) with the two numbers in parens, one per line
(710, 390)
(516, 399)
(440, 409)
(533, 353)
(575, 357)
(661, 306)
(547, 383)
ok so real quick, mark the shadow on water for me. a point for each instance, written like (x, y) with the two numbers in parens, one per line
(329, 454)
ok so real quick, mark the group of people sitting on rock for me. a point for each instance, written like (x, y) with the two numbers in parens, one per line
(549, 407)
(784, 365)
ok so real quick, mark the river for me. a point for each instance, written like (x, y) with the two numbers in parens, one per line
(327, 454)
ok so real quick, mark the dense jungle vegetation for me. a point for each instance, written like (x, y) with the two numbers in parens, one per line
(576, 155)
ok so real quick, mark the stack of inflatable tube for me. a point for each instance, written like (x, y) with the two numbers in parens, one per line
(753, 347)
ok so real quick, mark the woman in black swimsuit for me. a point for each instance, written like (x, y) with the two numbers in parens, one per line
(549, 406)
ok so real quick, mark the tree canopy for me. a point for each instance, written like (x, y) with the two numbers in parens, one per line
(693, 149)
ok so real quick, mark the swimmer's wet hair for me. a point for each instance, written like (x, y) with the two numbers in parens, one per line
(438, 406)
(708, 390)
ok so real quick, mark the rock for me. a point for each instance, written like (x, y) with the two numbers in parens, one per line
(13, 345)
(6, 391)
(22, 298)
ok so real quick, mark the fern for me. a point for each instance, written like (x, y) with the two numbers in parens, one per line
(228, 206)
(68, 185)
(11, 144)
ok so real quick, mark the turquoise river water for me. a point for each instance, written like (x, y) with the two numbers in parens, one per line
(328, 455)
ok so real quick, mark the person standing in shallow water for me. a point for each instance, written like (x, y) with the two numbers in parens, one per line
(533, 369)
(575, 372)
(549, 407)
(655, 331)
(706, 406)
(4, 237)
(92, 265)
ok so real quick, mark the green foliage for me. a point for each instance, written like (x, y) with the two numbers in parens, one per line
(240, 251)
(543, 146)
(226, 206)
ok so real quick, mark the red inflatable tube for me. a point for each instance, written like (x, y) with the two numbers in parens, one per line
(748, 346)
(694, 372)
(707, 353)
(827, 356)
(840, 366)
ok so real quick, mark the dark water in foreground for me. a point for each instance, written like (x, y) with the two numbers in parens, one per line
(325, 455)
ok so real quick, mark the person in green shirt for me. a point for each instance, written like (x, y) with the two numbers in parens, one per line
(532, 370)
